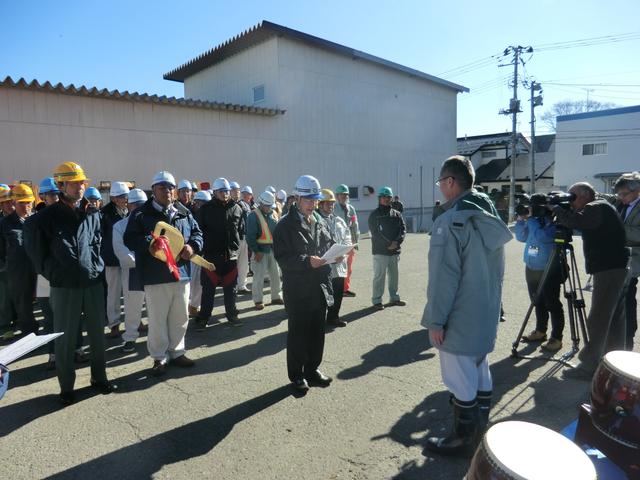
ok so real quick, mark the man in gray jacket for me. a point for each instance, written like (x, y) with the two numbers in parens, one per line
(466, 265)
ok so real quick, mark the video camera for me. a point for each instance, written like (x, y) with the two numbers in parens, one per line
(537, 203)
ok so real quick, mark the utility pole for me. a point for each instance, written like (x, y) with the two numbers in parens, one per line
(514, 109)
(535, 102)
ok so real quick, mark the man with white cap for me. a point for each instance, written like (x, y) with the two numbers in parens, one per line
(261, 224)
(221, 223)
(246, 203)
(166, 288)
(281, 198)
(113, 212)
(195, 295)
(185, 193)
(131, 282)
(299, 241)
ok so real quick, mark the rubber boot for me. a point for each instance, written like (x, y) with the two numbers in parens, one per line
(462, 440)
(484, 406)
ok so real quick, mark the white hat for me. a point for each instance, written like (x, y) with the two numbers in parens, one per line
(202, 195)
(234, 185)
(281, 195)
(184, 184)
(163, 177)
(137, 195)
(118, 188)
(247, 189)
(221, 184)
(271, 188)
(308, 186)
(266, 198)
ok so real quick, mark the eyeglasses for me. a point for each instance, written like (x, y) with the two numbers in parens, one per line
(439, 181)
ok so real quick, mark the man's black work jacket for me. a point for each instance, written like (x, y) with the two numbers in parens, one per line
(110, 216)
(294, 241)
(385, 226)
(13, 256)
(137, 238)
(64, 244)
(221, 224)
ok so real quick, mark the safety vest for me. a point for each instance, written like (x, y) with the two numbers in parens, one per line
(265, 237)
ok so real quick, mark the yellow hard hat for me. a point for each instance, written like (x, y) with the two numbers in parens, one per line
(22, 193)
(5, 193)
(69, 172)
(327, 195)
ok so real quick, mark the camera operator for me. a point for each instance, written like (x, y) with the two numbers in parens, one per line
(627, 189)
(606, 259)
(534, 227)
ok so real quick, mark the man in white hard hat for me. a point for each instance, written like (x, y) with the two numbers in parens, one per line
(131, 283)
(281, 198)
(113, 212)
(247, 204)
(167, 297)
(185, 193)
(299, 241)
(195, 295)
(261, 224)
(221, 223)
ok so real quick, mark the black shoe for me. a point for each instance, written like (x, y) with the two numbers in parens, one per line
(348, 293)
(159, 368)
(129, 346)
(235, 321)
(277, 301)
(397, 303)
(67, 398)
(578, 373)
(318, 379)
(244, 291)
(81, 357)
(201, 324)
(337, 322)
(378, 306)
(105, 387)
(182, 361)
(300, 385)
(462, 440)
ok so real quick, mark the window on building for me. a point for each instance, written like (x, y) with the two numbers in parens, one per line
(353, 193)
(594, 149)
(489, 154)
(258, 94)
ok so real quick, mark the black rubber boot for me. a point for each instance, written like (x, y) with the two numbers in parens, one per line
(484, 406)
(462, 440)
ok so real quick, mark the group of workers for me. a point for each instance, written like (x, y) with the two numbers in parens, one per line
(81, 259)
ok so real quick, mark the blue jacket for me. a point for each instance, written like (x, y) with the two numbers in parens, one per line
(538, 241)
(137, 238)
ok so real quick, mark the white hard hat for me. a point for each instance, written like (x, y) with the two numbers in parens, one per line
(137, 195)
(184, 184)
(234, 185)
(308, 186)
(221, 184)
(202, 195)
(266, 198)
(163, 177)
(281, 195)
(118, 188)
(271, 188)
(247, 189)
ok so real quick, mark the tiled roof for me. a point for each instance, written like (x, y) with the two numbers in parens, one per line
(82, 91)
(470, 145)
(265, 30)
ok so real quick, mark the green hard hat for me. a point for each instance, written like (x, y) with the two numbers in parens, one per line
(342, 189)
(385, 192)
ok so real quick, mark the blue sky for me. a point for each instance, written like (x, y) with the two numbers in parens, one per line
(128, 45)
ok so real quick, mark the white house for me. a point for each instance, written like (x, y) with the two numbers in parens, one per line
(262, 108)
(597, 147)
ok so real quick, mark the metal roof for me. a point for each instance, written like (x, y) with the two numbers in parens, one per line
(598, 113)
(470, 145)
(265, 30)
(93, 92)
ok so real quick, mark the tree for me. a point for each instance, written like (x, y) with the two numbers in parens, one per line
(568, 107)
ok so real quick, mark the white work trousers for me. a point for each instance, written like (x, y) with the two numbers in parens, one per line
(195, 297)
(266, 266)
(464, 375)
(113, 276)
(243, 264)
(133, 301)
(168, 319)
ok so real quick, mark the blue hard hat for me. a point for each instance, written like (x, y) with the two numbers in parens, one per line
(92, 193)
(385, 192)
(48, 185)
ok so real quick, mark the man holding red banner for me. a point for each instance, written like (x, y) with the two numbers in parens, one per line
(166, 284)
(221, 221)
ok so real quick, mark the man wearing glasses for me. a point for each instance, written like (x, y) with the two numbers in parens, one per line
(627, 188)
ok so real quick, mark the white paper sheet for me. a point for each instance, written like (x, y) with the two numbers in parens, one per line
(336, 251)
(23, 346)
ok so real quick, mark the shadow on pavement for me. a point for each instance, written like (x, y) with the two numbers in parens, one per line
(552, 400)
(143, 459)
(402, 351)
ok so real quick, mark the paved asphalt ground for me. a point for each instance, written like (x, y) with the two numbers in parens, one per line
(233, 416)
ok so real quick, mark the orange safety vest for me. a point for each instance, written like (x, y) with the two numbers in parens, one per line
(265, 237)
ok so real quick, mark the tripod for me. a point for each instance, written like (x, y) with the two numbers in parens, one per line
(571, 288)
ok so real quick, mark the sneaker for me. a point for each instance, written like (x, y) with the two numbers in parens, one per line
(259, 306)
(129, 347)
(552, 345)
(348, 293)
(535, 336)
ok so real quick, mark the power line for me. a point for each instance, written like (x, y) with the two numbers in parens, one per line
(585, 42)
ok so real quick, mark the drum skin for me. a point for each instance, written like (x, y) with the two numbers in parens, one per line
(615, 398)
(484, 468)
